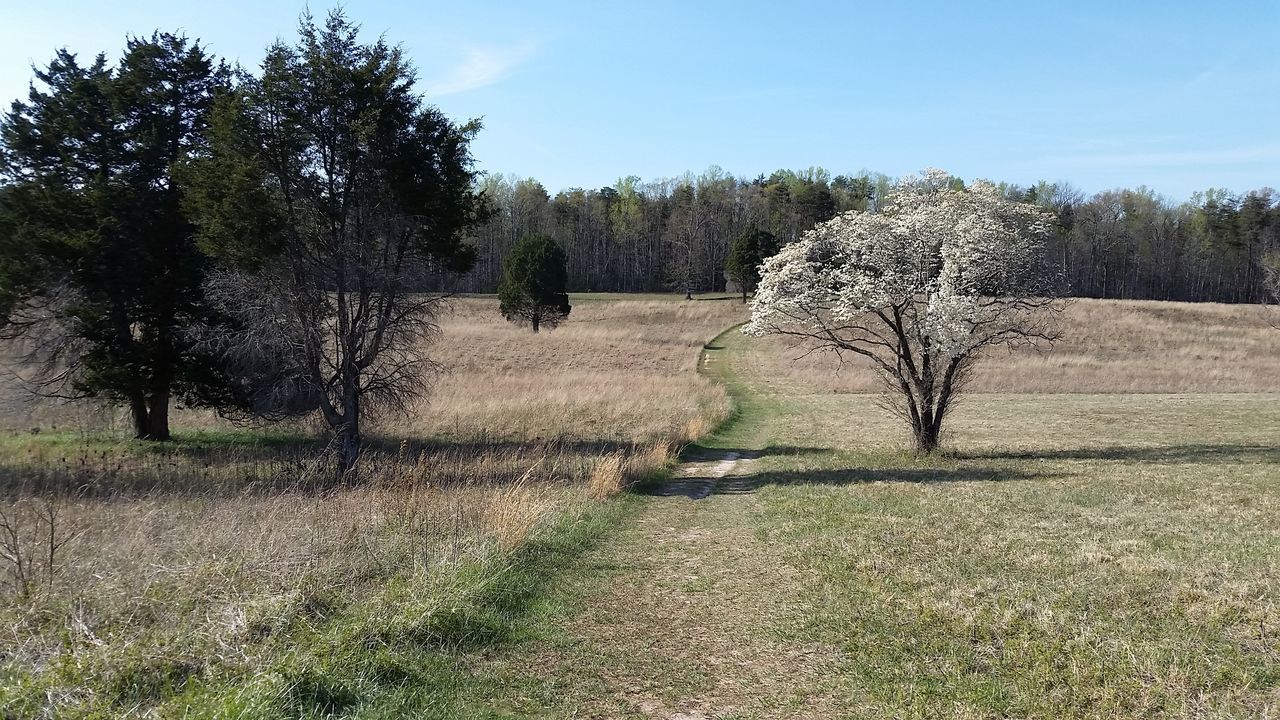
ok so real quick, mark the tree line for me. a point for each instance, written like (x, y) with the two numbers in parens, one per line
(677, 234)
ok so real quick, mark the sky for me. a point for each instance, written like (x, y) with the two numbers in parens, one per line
(1176, 96)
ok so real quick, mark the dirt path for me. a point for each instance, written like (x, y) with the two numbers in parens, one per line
(692, 620)
(689, 610)
(701, 476)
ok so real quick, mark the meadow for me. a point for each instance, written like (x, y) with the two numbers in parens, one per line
(142, 576)
(1106, 346)
(1099, 538)
(1079, 550)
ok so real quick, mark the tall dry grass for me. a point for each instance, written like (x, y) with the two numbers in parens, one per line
(619, 370)
(202, 543)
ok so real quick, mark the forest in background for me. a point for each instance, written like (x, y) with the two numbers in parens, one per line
(674, 234)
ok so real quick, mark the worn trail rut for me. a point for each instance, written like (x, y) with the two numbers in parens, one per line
(692, 611)
(701, 476)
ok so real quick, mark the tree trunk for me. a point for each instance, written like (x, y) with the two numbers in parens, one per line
(926, 437)
(158, 416)
(348, 450)
(138, 412)
(535, 324)
(347, 436)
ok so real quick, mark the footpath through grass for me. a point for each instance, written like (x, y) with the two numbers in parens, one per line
(685, 612)
(1069, 556)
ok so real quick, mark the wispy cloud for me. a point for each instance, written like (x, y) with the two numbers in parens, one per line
(1221, 70)
(1115, 144)
(480, 67)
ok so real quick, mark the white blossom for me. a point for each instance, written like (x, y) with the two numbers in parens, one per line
(939, 273)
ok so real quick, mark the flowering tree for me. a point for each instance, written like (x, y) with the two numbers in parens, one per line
(919, 289)
(1272, 264)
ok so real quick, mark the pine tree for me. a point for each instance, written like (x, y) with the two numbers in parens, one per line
(100, 269)
(533, 283)
(745, 255)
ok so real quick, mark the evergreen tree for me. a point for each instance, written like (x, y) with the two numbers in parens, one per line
(745, 255)
(533, 283)
(100, 271)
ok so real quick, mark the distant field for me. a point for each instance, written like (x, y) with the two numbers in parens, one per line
(1107, 346)
(621, 368)
(224, 570)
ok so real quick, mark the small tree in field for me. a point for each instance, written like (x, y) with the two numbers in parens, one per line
(919, 289)
(745, 255)
(533, 283)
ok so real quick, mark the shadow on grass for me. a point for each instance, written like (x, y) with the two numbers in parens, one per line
(1193, 453)
(249, 462)
(707, 472)
(696, 452)
(255, 444)
(415, 447)
(698, 485)
(856, 476)
(702, 475)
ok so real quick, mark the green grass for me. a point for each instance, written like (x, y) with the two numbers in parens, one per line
(753, 409)
(1068, 556)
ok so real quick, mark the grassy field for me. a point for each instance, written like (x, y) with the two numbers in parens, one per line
(1099, 540)
(1073, 555)
(223, 574)
(1107, 346)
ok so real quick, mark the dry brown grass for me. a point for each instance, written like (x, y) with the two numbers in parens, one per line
(607, 477)
(621, 370)
(1108, 346)
(200, 543)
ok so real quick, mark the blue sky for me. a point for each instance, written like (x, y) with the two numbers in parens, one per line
(1177, 96)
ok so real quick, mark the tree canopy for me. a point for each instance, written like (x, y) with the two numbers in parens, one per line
(332, 194)
(745, 255)
(638, 236)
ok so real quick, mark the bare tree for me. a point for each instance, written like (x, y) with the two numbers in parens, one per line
(1273, 276)
(919, 289)
(33, 534)
(337, 195)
